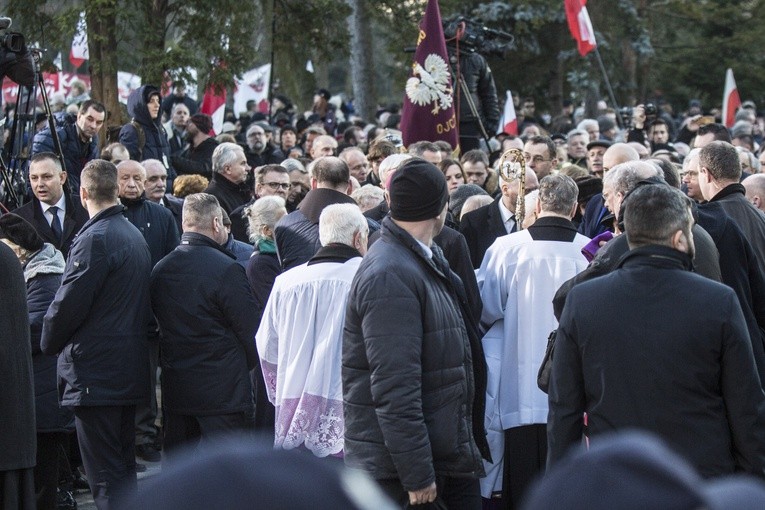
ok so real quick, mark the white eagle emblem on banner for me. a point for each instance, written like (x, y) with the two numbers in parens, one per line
(432, 86)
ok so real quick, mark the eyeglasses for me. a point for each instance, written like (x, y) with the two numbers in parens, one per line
(277, 185)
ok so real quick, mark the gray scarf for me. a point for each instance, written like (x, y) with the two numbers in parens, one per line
(46, 261)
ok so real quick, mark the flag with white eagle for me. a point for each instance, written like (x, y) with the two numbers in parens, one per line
(428, 111)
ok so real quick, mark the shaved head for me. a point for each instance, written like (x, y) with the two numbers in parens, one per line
(619, 153)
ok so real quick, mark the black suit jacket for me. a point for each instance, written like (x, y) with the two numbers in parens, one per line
(481, 228)
(688, 376)
(74, 218)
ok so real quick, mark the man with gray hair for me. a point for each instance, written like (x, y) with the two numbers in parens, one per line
(691, 175)
(203, 303)
(300, 336)
(618, 183)
(688, 375)
(229, 180)
(518, 279)
(297, 234)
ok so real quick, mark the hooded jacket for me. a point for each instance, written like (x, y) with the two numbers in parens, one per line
(43, 276)
(155, 144)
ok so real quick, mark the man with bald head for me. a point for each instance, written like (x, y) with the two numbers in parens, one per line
(641, 149)
(755, 190)
(357, 162)
(160, 231)
(323, 145)
(593, 223)
(619, 182)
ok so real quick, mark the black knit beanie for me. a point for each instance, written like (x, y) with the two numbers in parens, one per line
(19, 231)
(417, 191)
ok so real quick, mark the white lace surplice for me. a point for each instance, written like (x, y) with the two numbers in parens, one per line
(300, 345)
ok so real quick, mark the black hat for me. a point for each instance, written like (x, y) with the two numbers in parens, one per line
(588, 188)
(202, 122)
(461, 194)
(19, 231)
(599, 143)
(558, 136)
(288, 127)
(417, 191)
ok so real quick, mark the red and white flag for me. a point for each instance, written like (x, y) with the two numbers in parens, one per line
(731, 100)
(214, 105)
(580, 26)
(508, 123)
(79, 52)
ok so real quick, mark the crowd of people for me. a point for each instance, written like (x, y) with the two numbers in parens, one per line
(386, 308)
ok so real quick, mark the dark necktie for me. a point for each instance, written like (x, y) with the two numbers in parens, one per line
(55, 225)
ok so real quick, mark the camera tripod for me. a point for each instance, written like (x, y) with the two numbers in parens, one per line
(18, 148)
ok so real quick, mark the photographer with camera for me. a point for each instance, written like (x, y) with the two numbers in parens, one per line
(478, 87)
(648, 125)
(478, 106)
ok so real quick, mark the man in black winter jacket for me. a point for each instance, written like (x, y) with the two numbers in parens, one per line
(158, 227)
(79, 140)
(690, 376)
(97, 325)
(229, 180)
(412, 359)
(203, 303)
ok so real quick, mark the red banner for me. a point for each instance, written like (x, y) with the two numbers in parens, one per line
(428, 111)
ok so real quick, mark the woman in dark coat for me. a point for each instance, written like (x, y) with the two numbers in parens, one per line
(145, 137)
(262, 269)
(43, 266)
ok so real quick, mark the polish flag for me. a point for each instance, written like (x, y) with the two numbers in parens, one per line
(508, 123)
(580, 26)
(214, 105)
(731, 100)
(79, 52)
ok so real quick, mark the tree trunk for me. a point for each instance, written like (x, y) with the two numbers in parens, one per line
(153, 32)
(362, 68)
(101, 16)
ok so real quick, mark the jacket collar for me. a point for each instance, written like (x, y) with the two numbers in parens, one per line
(730, 189)
(334, 252)
(106, 213)
(132, 203)
(195, 239)
(657, 256)
(392, 231)
(552, 228)
(226, 183)
(317, 199)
